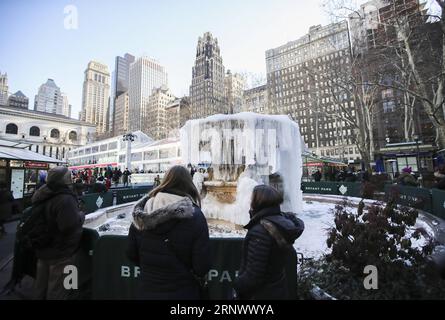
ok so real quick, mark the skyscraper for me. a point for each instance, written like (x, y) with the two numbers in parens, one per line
(66, 107)
(177, 113)
(207, 88)
(119, 85)
(255, 100)
(121, 106)
(96, 89)
(49, 98)
(234, 85)
(155, 123)
(299, 76)
(145, 75)
(3, 89)
(18, 100)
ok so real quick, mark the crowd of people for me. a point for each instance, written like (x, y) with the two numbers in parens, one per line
(350, 174)
(98, 180)
(406, 178)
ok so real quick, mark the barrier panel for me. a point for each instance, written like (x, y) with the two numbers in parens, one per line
(351, 189)
(84, 262)
(130, 195)
(429, 200)
(320, 187)
(414, 197)
(94, 201)
(114, 277)
(438, 203)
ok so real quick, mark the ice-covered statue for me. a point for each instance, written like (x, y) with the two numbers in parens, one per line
(242, 151)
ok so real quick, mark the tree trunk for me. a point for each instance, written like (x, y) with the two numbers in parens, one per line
(430, 105)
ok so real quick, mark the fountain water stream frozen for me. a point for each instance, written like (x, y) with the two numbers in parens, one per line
(242, 151)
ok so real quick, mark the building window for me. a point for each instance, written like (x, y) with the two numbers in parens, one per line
(73, 136)
(12, 128)
(34, 131)
(55, 134)
(388, 106)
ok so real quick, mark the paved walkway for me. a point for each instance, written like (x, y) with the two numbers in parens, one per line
(22, 291)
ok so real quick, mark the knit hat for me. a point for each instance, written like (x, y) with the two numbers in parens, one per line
(407, 170)
(58, 177)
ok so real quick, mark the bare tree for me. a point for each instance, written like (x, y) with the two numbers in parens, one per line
(253, 79)
(413, 50)
(428, 78)
(354, 102)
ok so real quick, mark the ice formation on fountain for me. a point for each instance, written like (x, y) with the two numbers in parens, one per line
(244, 150)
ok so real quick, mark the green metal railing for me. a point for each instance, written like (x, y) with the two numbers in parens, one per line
(429, 200)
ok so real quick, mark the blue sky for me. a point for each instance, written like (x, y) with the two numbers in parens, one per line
(36, 46)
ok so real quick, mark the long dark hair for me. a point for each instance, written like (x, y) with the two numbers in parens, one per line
(179, 181)
(264, 196)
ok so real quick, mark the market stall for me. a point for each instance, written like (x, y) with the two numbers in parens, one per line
(326, 166)
(23, 170)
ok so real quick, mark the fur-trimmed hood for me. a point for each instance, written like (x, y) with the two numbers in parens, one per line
(148, 213)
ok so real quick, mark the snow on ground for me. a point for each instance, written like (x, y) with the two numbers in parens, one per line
(318, 218)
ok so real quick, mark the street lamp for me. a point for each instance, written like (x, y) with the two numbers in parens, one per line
(416, 139)
(129, 137)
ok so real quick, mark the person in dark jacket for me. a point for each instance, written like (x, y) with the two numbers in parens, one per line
(116, 176)
(407, 179)
(59, 204)
(98, 186)
(169, 240)
(126, 175)
(269, 238)
(7, 206)
(317, 175)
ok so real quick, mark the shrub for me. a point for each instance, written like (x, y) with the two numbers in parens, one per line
(380, 235)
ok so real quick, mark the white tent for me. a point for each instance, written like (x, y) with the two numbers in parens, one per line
(12, 153)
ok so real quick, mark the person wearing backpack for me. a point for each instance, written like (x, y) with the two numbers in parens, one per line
(60, 224)
(271, 234)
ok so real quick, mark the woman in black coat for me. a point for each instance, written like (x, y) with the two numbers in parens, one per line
(169, 240)
(270, 236)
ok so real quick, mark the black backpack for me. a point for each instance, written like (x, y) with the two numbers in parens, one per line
(33, 231)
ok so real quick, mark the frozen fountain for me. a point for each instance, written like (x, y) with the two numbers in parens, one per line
(242, 151)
